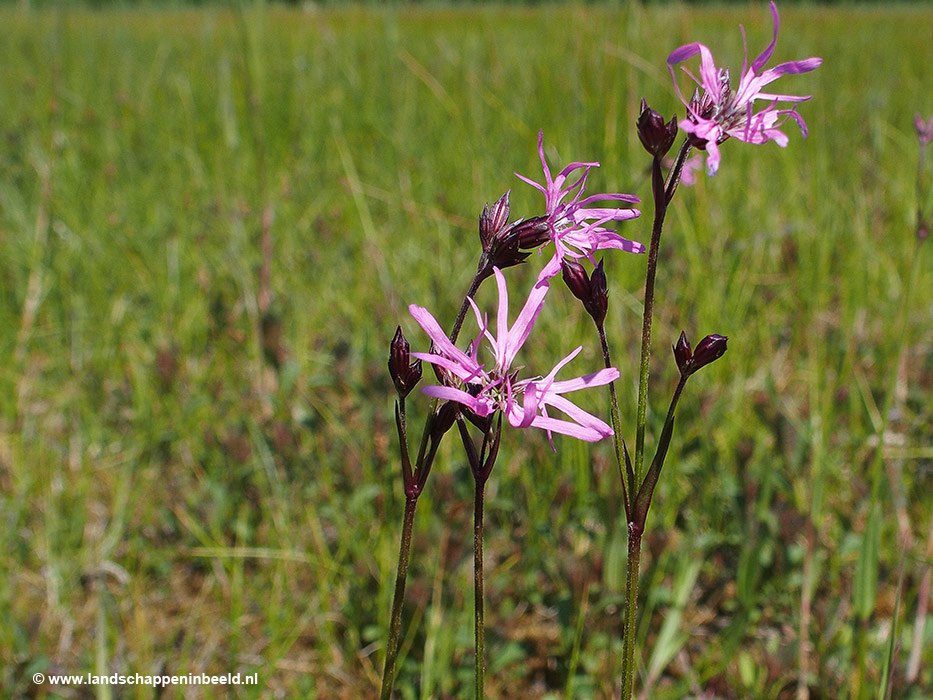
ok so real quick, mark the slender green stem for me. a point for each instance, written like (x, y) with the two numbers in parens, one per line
(631, 600)
(662, 193)
(395, 625)
(860, 634)
(642, 500)
(479, 625)
(920, 171)
(660, 204)
(636, 527)
(474, 285)
(673, 178)
(481, 465)
(626, 475)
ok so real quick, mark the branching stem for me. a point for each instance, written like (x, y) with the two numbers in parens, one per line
(639, 491)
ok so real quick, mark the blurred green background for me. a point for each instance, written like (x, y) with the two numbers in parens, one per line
(198, 463)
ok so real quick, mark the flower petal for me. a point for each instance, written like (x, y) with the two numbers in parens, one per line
(433, 330)
(564, 427)
(524, 416)
(584, 419)
(466, 372)
(600, 378)
(481, 405)
(512, 339)
(765, 55)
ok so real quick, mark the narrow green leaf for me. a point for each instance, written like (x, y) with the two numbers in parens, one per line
(866, 569)
(671, 638)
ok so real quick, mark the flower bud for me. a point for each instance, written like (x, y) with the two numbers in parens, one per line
(598, 302)
(575, 278)
(708, 350)
(503, 252)
(491, 222)
(504, 249)
(405, 373)
(592, 291)
(683, 354)
(533, 232)
(656, 136)
(503, 242)
(443, 420)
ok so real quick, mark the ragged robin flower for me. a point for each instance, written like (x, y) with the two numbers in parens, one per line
(575, 228)
(719, 112)
(485, 389)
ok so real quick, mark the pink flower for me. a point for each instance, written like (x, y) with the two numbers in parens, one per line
(577, 230)
(721, 112)
(924, 129)
(487, 390)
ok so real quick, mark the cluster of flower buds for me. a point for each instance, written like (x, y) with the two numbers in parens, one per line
(656, 136)
(503, 242)
(710, 349)
(591, 290)
(405, 373)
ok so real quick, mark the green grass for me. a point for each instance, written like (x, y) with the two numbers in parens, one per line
(190, 483)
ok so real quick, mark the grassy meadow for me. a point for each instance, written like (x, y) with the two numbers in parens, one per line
(198, 463)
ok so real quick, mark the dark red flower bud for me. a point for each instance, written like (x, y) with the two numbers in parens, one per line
(592, 291)
(578, 282)
(656, 136)
(443, 420)
(505, 247)
(503, 252)
(708, 350)
(405, 373)
(503, 242)
(533, 232)
(598, 303)
(492, 221)
(683, 354)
